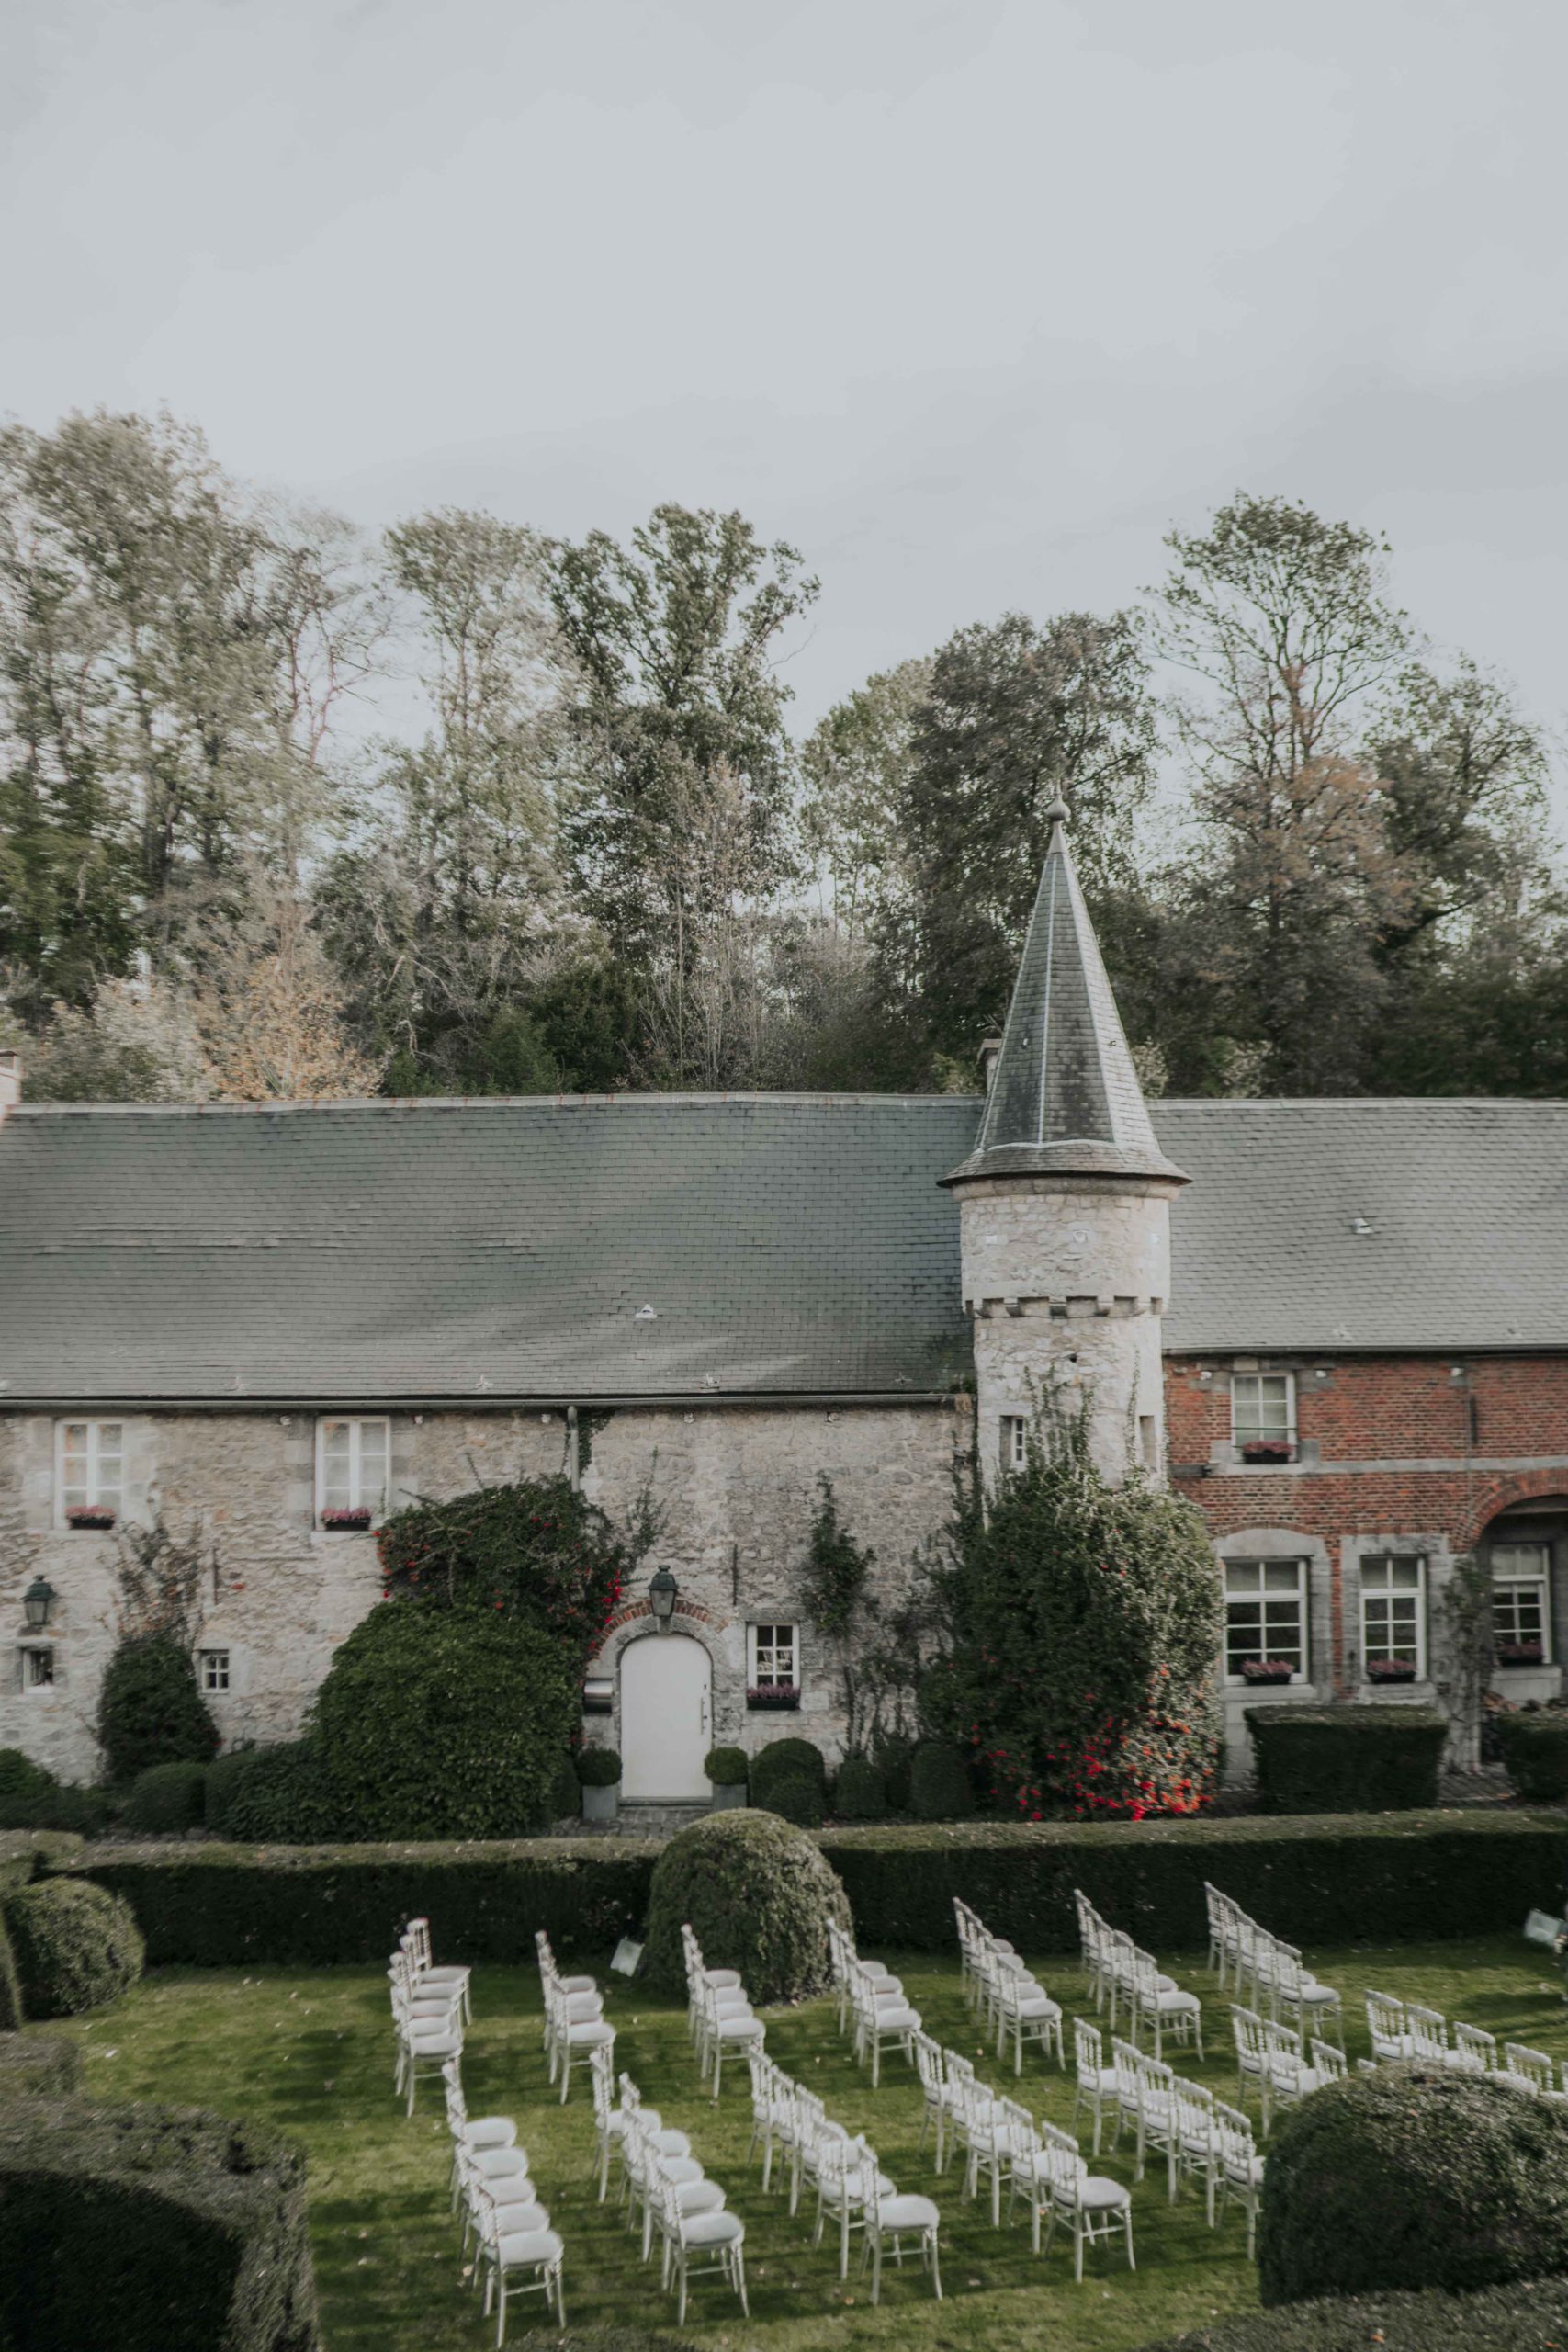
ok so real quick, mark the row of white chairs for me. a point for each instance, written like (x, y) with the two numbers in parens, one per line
(575, 2024)
(1012, 2004)
(1267, 1974)
(1200, 2137)
(516, 2251)
(430, 2010)
(1121, 1973)
(719, 2016)
(1276, 2060)
(666, 2193)
(870, 2002)
(1407, 2030)
(790, 2125)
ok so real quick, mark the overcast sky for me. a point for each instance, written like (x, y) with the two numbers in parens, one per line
(970, 301)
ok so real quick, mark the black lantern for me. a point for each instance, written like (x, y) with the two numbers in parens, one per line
(661, 1592)
(37, 1601)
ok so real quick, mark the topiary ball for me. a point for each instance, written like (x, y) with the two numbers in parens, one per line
(782, 1757)
(445, 1722)
(150, 1710)
(726, 1768)
(1410, 2178)
(599, 1768)
(76, 1946)
(279, 1796)
(798, 1797)
(758, 1893)
(939, 1786)
(860, 1793)
(167, 1799)
(20, 1777)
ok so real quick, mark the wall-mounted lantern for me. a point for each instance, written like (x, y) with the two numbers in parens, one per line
(661, 1595)
(37, 1601)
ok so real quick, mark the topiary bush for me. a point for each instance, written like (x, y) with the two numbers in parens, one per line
(565, 1792)
(1529, 2316)
(599, 1768)
(150, 1709)
(445, 1722)
(76, 1946)
(786, 1756)
(939, 1786)
(20, 1777)
(167, 1799)
(279, 1796)
(1347, 1759)
(796, 1796)
(1405, 2179)
(39, 2066)
(1534, 1749)
(759, 1896)
(726, 1768)
(224, 1775)
(860, 1793)
(894, 1756)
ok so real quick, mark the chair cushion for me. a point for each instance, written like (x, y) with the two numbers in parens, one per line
(712, 2229)
(1102, 2194)
(517, 2250)
(854, 2185)
(578, 1983)
(699, 2196)
(489, 2132)
(740, 2029)
(499, 2164)
(671, 2144)
(723, 1980)
(590, 2035)
(434, 2045)
(442, 1976)
(906, 2213)
(897, 2020)
(1037, 2005)
(681, 2169)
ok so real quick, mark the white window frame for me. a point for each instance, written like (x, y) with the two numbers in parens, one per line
(774, 1626)
(90, 1492)
(1014, 1444)
(217, 1673)
(1237, 1681)
(355, 1424)
(1540, 1583)
(31, 1653)
(1259, 1433)
(1370, 1592)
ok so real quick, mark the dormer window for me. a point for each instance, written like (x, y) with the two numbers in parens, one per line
(353, 1461)
(89, 1473)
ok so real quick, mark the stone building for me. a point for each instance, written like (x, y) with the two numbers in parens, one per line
(1341, 1326)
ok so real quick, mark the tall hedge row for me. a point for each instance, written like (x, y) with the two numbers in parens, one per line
(1410, 1877)
(1529, 2316)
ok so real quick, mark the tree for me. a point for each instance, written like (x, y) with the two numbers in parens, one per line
(855, 765)
(268, 1006)
(136, 1042)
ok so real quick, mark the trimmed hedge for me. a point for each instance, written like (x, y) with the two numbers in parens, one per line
(726, 1768)
(39, 2066)
(797, 1797)
(20, 1777)
(282, 1796)
(167, 1798)
(1529, 2316)
(939, 1786)
(759, 1896)
(150, 2229)
(565, 1792)
(150, 1709)
(599, 1768)
(1408, 2178)
(1534, 1749)
(213, 1905)
(860, 1793)
(1347, 1759)
(786, 1759)
(76, 1946)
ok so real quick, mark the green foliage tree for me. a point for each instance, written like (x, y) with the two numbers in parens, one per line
(1079, 1623)
(760, 1896)
(150, 1709)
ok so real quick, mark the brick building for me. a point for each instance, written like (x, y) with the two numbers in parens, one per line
(1340, 1327)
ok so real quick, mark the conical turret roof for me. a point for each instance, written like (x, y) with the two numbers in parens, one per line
(1064, 1099)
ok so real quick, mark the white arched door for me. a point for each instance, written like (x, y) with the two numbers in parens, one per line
(666, 1684)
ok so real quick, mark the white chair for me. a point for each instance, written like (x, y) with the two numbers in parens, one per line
(726, 2026)
(935, 2098)
(615, 2119)
(1191, 2151)
(687, 2234)
(883, 2021)
(773, 2113)
(889, 2219)
(810, 2127)
(470, 2132)
(1158, 2001)
(576, 2029)
(1533, 2069)
(848, 2181)
(649, 2172)
(996, 2134)
(1240, 2168)
(1026, 2013)
(1288, 2078)
(428, 2036)
(500, 2172)
(1096, 2082)
(1474, 2051)
(698, 1975)
(1307, 2003)
(415, 1940)
(1327, 2060)
(535, 2255)
(1428, 2031)
(1251, 2050)
(1387, 2029)
(1095, 2209)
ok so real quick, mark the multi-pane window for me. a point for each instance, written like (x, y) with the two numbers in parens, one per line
(1521, 1619)
(351, 1471)
(1263, 1409)
(37, 1669)
(91, 1468)
(1393, 1611)
(215, 1670)
(1015, 1442)
(1266, 1617)
(775, 1657)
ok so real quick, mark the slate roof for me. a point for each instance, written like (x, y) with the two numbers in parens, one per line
(789, 1245)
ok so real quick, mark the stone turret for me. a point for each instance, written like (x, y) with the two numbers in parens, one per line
(1065, 1202)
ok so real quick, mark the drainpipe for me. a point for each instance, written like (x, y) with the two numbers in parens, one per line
(573, 1469)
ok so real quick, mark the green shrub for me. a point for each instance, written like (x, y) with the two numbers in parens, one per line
(894, 1756)
(1534, 1749)
(444, 1722)
(282, 1798)
(860, 1793)
(1405, 2178)
(209, 1906)
(939, 1786)
(565, 1792)
(1347, 1759)
(88, 1812)
(1531, 2316)
(20, 1777)
(782, 1757)
(167, 1797)
(726, 1768)
(796, 1796)
(148, 2229)
(224, 1775)
(37, 2065)
(76, 1946)
(759, 1896)
(599, 1768)
(150, 1710)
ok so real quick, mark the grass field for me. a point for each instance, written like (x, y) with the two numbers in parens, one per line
(311, 2052)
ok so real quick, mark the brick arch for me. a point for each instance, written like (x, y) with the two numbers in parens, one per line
(627, 1622)
(1504, 1494)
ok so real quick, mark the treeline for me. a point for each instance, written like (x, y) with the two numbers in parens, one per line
(599, 857)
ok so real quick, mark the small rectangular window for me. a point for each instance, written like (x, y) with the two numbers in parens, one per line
(1393, 1611)
(1148, 1441)
(1263, 1413)
(37, 1669)
(353, 1459)
(1015, 1442)
(775, 1657)
(215, 1670)
(1521, 1614)
(90, 1472)
(1266, 1620)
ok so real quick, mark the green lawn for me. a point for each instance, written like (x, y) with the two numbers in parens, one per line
(311, 2054)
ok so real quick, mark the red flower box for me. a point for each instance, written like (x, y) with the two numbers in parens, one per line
(780, 1696)
(1267, 1669)
(1390, 1669)
(1267, 1449)
(346, 1518)
(1521, 1654)
(91, 1515)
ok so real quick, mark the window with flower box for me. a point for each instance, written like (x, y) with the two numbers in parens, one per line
(89, 1473)
(1266, 1620)
(1263, 1416)
(353, 1460)
(1394, 1617)
(773, 1664)
(1521, 1613)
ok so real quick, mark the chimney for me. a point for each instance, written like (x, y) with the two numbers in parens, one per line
(10, 1079)
(990, 1049)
